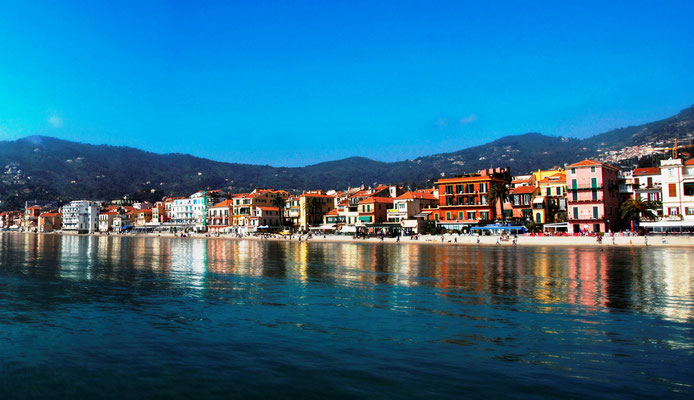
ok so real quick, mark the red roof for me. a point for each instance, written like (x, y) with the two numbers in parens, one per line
(49, 214)
(33, 208)
(374, 199)
(109, 213)
(558, 177)
(524, 189)
(647, 171)
(225, 203)
(590, 163)
(264, 208)
(332, 212)
(416, 195)
(689, 162)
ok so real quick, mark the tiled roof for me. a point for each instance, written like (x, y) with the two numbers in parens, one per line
(590, 163)
(225, 203)
(524, 190)
(264, 208)
(49, 214)
(556, 178)
(416, 195)
(647, 171)
(332, 212)
(689, 162)
(374, 199)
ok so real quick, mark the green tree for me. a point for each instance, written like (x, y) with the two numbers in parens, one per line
(315, 209)
(279, 202)
(498, 193)
(636, 209)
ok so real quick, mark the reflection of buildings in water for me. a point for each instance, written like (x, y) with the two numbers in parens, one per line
(189, 262)
(218, 253)
(588, 279)
(668, 283)
(74, 259)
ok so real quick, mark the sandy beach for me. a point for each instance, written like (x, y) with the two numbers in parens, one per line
(447, 239)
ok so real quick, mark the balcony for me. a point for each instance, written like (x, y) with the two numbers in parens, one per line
(576, 188)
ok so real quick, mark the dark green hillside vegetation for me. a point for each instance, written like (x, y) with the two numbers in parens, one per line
(63, 170)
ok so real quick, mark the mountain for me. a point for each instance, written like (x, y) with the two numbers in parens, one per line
(44, 167)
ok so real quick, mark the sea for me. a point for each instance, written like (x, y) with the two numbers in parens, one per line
(115, 317)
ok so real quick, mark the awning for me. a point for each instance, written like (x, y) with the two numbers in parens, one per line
(365, 219)
(538, 200)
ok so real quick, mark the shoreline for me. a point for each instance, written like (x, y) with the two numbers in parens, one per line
(452, 239)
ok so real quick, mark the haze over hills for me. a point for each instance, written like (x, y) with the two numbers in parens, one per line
(45, 167)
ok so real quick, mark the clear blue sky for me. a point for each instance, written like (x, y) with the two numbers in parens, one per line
(293, 83)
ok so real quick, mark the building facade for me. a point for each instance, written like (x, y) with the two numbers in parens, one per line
(593, 197)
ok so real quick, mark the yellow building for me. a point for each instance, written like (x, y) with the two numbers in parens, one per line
(549, 205)
(308, 209)
(244, 204)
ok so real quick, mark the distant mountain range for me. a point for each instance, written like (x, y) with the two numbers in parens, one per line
(54, 168)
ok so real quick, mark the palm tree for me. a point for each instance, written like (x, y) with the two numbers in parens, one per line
(315, 209)
(635, 209)
(279, 202)
(498, 193)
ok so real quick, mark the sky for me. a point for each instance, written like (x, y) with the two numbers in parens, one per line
(291, 83)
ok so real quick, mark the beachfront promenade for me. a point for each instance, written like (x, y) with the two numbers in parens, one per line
(446, 239)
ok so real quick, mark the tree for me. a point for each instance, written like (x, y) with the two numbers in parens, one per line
(279, 202)
(315, 209)
(635, 209)
(498, 193)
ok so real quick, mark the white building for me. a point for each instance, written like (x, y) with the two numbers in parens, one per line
(81, 216)
(677, 193)
(192, 211)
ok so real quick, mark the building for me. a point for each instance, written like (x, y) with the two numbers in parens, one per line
(521, 202)
(549, 203)
(593, 197)
(191, 212)
(373, 210)
(647, 185)
(308, 209)
(677, 178)
(265, 217)
(49, 221)
(81, 216)
(409, 210)
(464, 201)
(141, 217)
(245, 206)
(31, 218)
(106, 220)
(219, 215)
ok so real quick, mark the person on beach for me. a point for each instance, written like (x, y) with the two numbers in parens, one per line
(478, 240)
(645, 240)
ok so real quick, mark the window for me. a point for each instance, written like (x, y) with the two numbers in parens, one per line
(484, 187)
(594, 194)
(484, 215)
(461, 215)
(689, 189)
(594, 182)
(592, 169)
(575, 212)
(549, 191)
(448, 215)
(596, 215)
(690, 210)
(459, 188)
(573, 170)
(574, 184)
(574, 196)
(559, 191)
(471, 215)
(672, 190)
(449, 189)
(673, 210)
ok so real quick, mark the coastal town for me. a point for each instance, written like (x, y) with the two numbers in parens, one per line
(584, 198)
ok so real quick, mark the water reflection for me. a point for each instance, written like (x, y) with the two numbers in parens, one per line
(654, 281)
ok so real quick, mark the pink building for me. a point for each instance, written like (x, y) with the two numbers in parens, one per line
(593, 197)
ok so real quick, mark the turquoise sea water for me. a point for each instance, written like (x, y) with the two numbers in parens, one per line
(111, 317)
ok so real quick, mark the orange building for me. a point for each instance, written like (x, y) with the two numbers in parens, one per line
(464, 201)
